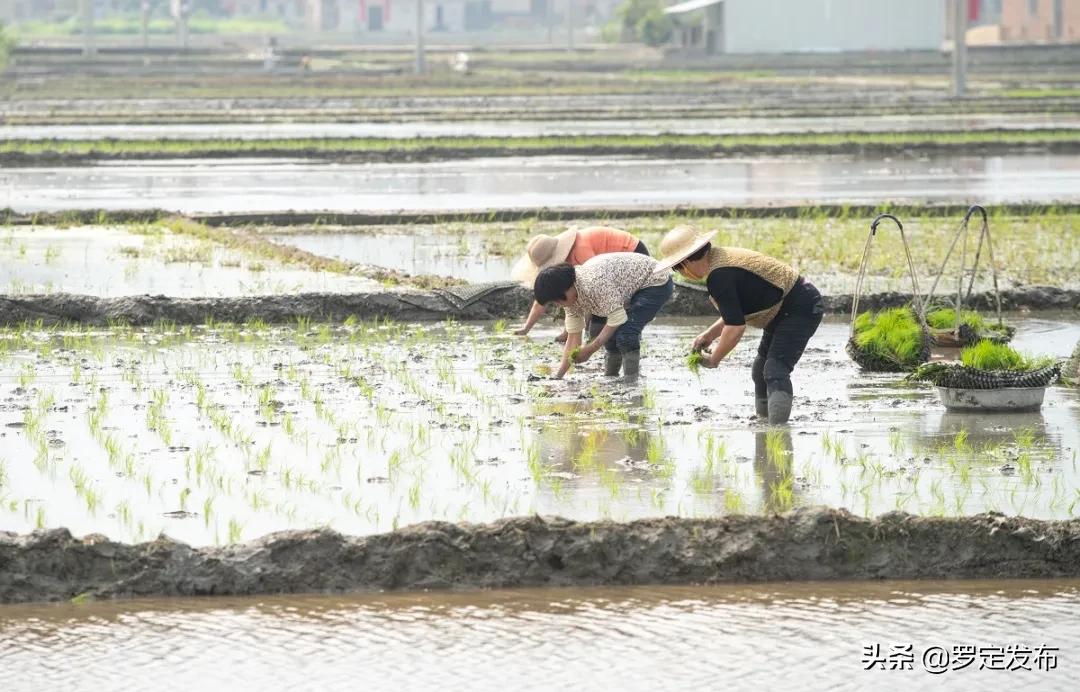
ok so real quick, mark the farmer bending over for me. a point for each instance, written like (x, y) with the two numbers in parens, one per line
(625, 288)
(575, 248)
(749, 288)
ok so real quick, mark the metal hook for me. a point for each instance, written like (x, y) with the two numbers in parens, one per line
(971, 210)
(878, 219)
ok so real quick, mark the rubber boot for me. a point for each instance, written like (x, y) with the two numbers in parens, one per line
(779, 407)
(613, 361)
(761, 407)
(631, 364)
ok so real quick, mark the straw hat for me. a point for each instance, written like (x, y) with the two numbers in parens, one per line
(681, 242)
(543, 251)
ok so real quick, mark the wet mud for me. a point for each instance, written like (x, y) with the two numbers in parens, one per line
(300, 218)
(805, 544)
(480, 302)
(452, 153)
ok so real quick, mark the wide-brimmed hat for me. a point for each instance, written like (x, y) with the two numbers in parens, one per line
(543, 251)
(681, 242)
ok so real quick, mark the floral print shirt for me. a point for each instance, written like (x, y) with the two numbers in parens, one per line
(606, 283)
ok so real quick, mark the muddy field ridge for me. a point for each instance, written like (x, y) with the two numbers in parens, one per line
(804, 544)
(475, 302)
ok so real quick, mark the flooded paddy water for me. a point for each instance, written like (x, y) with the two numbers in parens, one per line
(740, 637)
(250, 185)
(130, 260)
(225, 433)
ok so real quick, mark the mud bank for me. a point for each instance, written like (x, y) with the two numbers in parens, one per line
(1025, 143)
(404, 218)
(476, 302)
(806, 544)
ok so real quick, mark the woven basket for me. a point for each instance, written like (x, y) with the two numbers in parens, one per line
(872, 362)
(957, 376)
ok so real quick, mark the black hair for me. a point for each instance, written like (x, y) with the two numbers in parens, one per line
(698, 254)
(553, 283)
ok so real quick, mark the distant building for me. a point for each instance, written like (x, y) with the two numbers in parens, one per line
(449, 16)
(1023, 21)
(1040, 21)
(800, 26)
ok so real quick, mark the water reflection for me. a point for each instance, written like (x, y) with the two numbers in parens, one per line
(774, 457)
(237, 185)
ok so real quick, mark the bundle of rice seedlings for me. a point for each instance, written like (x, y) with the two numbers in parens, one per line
(889, 341)
(973, 327)
(693, 361)
(988, 365)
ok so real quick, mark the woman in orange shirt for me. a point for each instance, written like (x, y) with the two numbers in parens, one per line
(575, 247)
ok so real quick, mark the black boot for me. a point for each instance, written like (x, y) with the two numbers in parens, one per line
(631, 364)
(779, 407)
(613, 362)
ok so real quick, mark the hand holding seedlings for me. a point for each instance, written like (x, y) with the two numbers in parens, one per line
(702, 341)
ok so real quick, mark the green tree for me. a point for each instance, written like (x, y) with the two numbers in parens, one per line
(642, 20)
(655, 27)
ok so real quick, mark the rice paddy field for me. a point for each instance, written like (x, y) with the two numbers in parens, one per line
(224, 433)
(272, 461)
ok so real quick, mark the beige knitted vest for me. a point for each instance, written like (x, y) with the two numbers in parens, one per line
(772, 270)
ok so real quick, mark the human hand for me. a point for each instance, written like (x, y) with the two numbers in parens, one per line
(701, 342)
(521, 332)
(561, 338)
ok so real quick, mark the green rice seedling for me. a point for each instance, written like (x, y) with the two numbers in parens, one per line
(776, 448)
(654, 450)
(1025, 438)
(499, 327)
(694, 361)
(945, 318)
(987, 355)
(236, 530)
(961, 444)
(891, 335)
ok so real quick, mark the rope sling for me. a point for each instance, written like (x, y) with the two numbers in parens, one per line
(871, 361)
(964, 334)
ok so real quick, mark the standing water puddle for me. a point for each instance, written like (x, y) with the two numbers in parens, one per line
(740, 637)
(239, 185)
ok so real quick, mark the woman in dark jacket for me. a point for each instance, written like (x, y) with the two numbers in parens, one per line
(749, 288)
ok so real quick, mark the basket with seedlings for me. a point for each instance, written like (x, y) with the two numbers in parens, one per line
(991, 377)
(889, 341)
(971, 327)
(895, 340)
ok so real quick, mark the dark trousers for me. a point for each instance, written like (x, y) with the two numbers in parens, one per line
(597, 322)
(642, 309)
(785, 339)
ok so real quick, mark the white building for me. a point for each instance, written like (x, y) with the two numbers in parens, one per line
(799, 26)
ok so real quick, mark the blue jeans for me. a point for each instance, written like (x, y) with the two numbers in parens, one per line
(597, 322)
(643, 307)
